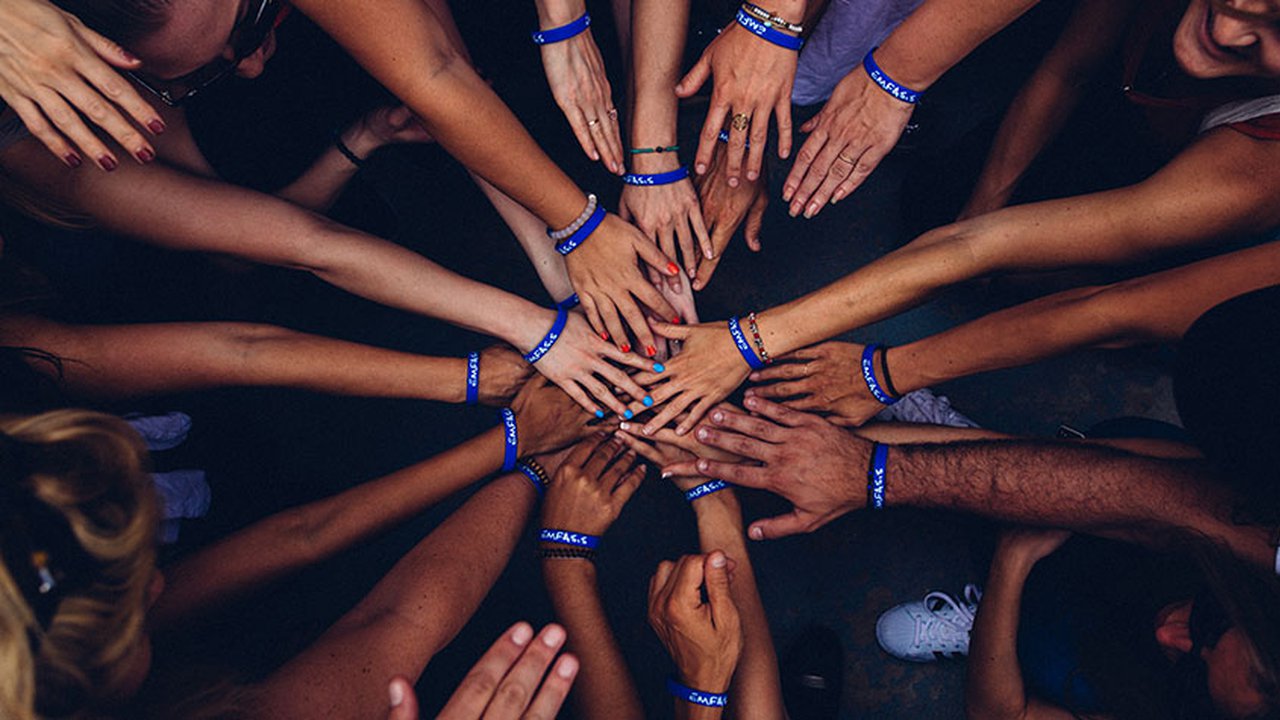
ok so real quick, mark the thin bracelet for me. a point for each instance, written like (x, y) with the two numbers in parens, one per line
(564, 537)
(473, 378)
(869, 376)
(744, 347)
(665, 178)
(888, 379)
(544, 347)
(704, 489)
(769, 18)
(886, 83)
(572, 227)
(697, 697)
(564, 32)
(876, 472)
(658, 149)
(566, 554)
(346, 151)
(524, 468)
(511, 436)
(724, 138)
(580, 235)
(755, 337)
(768, 33)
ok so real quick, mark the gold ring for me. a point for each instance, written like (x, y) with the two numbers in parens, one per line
(593, 122)
(740, 121)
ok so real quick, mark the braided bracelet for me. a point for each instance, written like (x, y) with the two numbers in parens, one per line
(658, 149)
(566, 554)
(768, 33)
(771, 19)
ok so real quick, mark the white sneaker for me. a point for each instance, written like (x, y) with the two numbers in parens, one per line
(933, 628)
(922, 406)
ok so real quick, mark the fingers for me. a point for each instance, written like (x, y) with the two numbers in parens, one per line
(478, 687)
(604, 453)
(657, 585)
(687, 253)
(639, 325)
(404, 703)
(688, 580)
(521, 683)
(105, 115)
(782, 113)
(629, 483)
(751, 427)
(759, 134)
(710, 135)
(601, 393)
(700, 231)
(755, 220)
(708, 266)
(781, 526)
(782, 389)
(594, 318)
(715, 570)
(800, 169)
(736, 443)
(583, 452)
(736, 147)
(106, 49)
(695, 79)
(671, 331)
(614, 328)
(699, 409)
(781, 371)
(578, 122)
(778, 413)
(869, 161)
(806, 196)
(641, 448)
(35, 122)
(623, 381)
(117, 90)
(653, 257)
(555, 688)
(670, 411)
(575, 391)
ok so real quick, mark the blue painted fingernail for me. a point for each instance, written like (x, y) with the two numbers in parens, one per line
(648, 401)
(628, 414)
(659, 367)
(600, 414)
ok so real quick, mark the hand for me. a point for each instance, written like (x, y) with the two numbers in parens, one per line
(815, 465)
(704, 639)
(669, 215)
(665, 447)
(52, 68)
(725, 206)
(507, 682)
(753, 77)
(681, 298)
(822, 378)
(848, 138)
(503, 372)
(606, 275)
(1031, 544)
(575, 72)
(704, 373)
(390, 125)
(578, 363)
(588, 491)
(547, 419)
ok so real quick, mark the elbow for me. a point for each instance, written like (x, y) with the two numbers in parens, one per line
(316, 247)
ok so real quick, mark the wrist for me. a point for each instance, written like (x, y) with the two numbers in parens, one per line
(711, 678)
(554, 13)
(457, 385)
(652, 163)
(904, 68)
(360, 140)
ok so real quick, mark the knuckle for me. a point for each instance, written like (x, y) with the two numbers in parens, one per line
(513, 694)
(480, 683)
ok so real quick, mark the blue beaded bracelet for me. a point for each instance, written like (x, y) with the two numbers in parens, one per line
(533, 477)
(665, 178)
(512, 437)
(876, 476)
(765, 31)
(569, 303)
(544, 347)
(744, 347)
(705, 488)
(573, 241)
(564, 32)
(564, 537)
(697, 697)
(885, 82)
(473, 378)
(724, 138)
(869, 375)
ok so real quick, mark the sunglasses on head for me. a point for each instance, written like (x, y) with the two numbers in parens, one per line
(248, 35)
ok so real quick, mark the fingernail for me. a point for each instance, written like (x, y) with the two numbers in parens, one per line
(600, 414)
(648, 401)
(567, 667)
(108, 163)
(156, 126)
(651, 351)
(673, 269)
(787, 192)
(703, 466)
(751, 402)
(72, 160)
(666, 474)
(625, 347)
(702, 168)
(733, 182)
(146, 155)
(702, 433)
(717, 416)
(624, 426)
(659, 367)
(677, 320)
(834, 199)
(718, 560)
(397, 694)
(521, 635)
(752, 176)
(628, 414)
(128, 56)
(811, 210)
(757, 533)
(604, 336)
(794, 210)
(553, 636)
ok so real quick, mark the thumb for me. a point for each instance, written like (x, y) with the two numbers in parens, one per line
(812, 123)
(404, 703)
(669, 331)
(780, 526)
(400, 117)
(715, 573)
(755, 218)
(695, 79)
(108, 50)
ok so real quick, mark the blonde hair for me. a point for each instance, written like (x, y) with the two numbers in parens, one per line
(88, 468)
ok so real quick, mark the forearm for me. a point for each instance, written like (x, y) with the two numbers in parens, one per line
(660, 29)
(756, 692)
(939, 34)
(604, 688)
(531, 233)
(994, 689)
(322, 183)
(308, 534)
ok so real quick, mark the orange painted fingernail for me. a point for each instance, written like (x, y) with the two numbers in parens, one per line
(625, 348)
(651, 351)
(672, 269)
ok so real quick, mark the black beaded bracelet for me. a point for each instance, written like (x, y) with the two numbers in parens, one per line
(346, 151)
(566, 553)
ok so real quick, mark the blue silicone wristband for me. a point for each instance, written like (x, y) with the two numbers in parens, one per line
(665, 178)
(697, 697)
(544, 347)
(573, 241)
(886, 83)
(765, 31)
(564, 32)
(568, 303)
(744, 347)
(512, 437)
(704, 489)
(724, 138)
(473, 378)
(876, 476)
(533, 477)
(869, 376)
(564, 537)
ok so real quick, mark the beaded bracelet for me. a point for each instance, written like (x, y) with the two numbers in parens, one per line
(755, 337)
(347, 152)
(564, 32)
(768, 33)
(704, 489)
(566, 554)
(572, 227)
(532, 470)
(769, 18)
(885, 82)
(544, 347)
(512, 437)
(724, 138)
(869, 376)
(876, 476)
(744, 347)
(582, 233)
(473, 378)
(564, 537)
(888, 379)
(697, 697)
(665, 178)
(658, 149)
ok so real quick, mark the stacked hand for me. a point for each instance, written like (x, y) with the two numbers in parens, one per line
(823, 378)
(578, 81)
(703, 638)
(391, 125)
(707, 369)
(592, 485)
(725, 206)
(579, 364)
(548, 419)
(670, 216)
(503, 372)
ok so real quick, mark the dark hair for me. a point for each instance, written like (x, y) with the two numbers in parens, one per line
(125, 21)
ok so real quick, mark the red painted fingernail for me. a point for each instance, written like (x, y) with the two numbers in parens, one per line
(72, 160)
(108, 163)
(672, 268)
(146, 155)
(677, 320)
(625, 348)
(156, 126)
(651, 351)
(604, 336)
